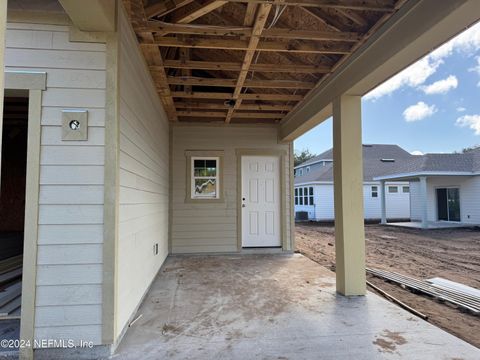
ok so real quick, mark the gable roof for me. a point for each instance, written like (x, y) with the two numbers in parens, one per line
(467, 163)
(373, 165)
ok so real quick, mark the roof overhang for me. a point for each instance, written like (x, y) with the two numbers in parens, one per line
(415, 175)
(92, 15)
(411, 33)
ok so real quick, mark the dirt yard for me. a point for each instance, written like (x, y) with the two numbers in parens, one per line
(452, 254)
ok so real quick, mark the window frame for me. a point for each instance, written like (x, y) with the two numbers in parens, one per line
(405, 187)
(191, 156)
(390, 187)
(374, 191)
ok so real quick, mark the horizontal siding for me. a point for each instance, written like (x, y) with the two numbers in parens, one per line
(398, 205)
(143, 177)
(70, 233)
(203, 227)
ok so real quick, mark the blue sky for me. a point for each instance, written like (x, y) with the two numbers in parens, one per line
(432, 106)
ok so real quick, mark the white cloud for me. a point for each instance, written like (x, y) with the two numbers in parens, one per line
(472, 121)
(441, 86)
(419, 111)
(461, 109)
(415, 75)
(476, 69)
(416, 152)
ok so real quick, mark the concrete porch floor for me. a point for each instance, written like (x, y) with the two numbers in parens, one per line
(430, 225)
(273, 307)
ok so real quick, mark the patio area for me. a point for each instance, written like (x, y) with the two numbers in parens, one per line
(273, 307)
(430, 225)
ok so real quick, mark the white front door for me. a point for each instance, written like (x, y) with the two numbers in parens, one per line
(261, 201)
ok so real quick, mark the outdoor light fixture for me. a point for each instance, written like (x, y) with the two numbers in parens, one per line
(74, 125)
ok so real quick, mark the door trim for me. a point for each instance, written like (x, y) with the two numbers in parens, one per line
(283, 221)
(448, 212)
(34, 83)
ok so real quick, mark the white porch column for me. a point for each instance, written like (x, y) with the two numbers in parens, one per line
(348, 194)
(424, 201)
(383, 202)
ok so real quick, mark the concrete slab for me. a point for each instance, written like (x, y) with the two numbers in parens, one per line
(273, 307)
(430, 225)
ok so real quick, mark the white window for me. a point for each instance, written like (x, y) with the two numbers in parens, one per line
(205, 177)
(300, 172)
(406, 189)
(374, 191)
(393, 189)
(308, 169)
(304, 196)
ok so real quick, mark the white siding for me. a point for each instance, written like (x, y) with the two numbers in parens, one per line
(469, 196)
(144, 169)
(415, 201)
(398, 204)
(204, 227)
(69, 269)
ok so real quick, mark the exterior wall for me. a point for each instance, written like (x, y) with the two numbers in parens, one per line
(415, 201)
(212, 227)
(70, 233)
(398, 204)
(144, 178)
(469, 196)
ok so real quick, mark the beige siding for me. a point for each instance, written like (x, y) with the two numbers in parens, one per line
(204, 227)
(143, 213)
(69, 269)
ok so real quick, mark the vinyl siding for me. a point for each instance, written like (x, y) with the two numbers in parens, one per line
(69, 269)
(144, 175)
(469, 196)
(398, 204)
(203, 227)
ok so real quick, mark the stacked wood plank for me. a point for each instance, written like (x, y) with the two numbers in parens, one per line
(10, 287)
(461, 299)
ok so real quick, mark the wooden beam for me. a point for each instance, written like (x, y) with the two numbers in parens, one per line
(194, 14)
(221, 106)
(260, 20)
(275, 46)
(266, 84)
(164, 7)
(229, 96)
(222, 114)
(356, 18)
(233, 66)
(153, 57)
(369, 5)
(163, 28)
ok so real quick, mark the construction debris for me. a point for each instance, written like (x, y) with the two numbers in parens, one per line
(10, 287)
(460, 299)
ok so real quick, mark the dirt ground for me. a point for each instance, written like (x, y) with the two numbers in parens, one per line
(453, 254)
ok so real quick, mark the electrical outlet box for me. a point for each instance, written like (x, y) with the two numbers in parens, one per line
(74, 125)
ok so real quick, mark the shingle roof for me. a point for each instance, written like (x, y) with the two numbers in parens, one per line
(373, 165)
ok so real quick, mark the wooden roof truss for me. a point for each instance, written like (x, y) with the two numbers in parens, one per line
(237, 61)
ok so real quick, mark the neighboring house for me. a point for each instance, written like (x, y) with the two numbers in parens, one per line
(443, 187)
(314, 184)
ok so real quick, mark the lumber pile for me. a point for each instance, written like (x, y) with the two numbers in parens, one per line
(454, 296)
(10, 287)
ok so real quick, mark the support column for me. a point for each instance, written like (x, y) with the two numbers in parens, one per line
(383, 202)
(424, 201)
(348, 194)
(3, 30)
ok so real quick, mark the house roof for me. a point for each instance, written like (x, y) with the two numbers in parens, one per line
(467, 162)
(373, 165)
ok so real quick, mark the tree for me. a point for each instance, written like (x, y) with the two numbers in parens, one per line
(470, 148)
(302, 156)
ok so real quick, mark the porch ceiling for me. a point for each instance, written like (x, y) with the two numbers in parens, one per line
(248, 61)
